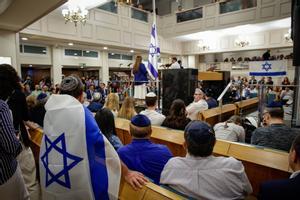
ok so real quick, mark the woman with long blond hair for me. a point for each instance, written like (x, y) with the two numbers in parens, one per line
(127, 110)
(112, 103)
(140, 79)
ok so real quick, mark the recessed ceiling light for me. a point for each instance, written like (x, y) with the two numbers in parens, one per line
(131, 51)
(105, 48)
(24, 38)
(70, 44)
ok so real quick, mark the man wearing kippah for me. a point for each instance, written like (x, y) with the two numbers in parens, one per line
(201, 175)
(198, 105)
(155, 117)
(141, 154)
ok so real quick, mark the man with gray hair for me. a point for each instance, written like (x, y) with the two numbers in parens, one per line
(198, 105)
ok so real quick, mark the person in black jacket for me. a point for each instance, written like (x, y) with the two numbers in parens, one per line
(288, 188)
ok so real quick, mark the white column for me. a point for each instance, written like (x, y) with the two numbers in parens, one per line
(192, 62)
(9, 47)
(105, 67)
(56, 69)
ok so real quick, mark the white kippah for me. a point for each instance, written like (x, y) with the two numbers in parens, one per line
(151, 94)
(198, 90)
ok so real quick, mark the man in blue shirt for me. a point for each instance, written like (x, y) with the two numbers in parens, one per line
(141, 154)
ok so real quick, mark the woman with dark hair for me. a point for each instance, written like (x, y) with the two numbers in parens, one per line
(12, 184)
(106, 122)
(177, 118)
(140, 78)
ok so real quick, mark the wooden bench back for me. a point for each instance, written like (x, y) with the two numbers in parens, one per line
(211, 116)
(150, 191)
(260, 164)
(247, 106)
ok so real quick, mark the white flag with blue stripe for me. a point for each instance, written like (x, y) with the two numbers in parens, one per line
(268, 68)
(76, 159)
(154, 53)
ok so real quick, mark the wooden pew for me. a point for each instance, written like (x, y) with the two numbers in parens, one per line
(169, 137)
(247, 106)
(149, 191)
(211, 116)
(261, 164)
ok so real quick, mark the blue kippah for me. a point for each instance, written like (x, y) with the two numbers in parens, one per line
(140, 121)
(41, 96)
(274, 104)
(199, 132)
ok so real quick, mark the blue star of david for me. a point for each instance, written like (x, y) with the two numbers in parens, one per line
(152, 50)
(53, 146)
(266, 66)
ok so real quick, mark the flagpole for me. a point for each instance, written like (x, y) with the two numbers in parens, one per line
(157, 80)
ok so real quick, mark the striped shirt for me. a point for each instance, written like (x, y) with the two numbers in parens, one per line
(10, 146)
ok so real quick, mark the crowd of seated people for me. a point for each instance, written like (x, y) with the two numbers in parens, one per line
(228, 181)
(259, 58)
(242, 89)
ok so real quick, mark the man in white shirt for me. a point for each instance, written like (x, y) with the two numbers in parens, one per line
(175, 64)
(198, 105)
(155, 117)
(201, 175)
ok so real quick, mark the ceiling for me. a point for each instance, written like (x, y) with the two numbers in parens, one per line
(21, 13)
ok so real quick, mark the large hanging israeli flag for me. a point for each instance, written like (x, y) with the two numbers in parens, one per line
(154, 53)
(268, 68)
(76, 160)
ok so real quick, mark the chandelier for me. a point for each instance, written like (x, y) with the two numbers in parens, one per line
(202, 46)
(241, 42)
(288, 37)
(75, 14)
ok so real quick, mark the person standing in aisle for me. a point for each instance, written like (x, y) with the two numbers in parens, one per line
(140, 80)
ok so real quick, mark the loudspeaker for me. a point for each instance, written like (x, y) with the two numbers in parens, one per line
(178, 84)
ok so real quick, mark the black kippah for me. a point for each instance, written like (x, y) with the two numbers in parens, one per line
(69, 83)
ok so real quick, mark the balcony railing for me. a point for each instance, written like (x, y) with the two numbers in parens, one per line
(109, 7)
(139, 14)
(188, 15)
(235, 5)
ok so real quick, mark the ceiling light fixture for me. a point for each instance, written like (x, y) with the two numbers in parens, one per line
(70, 44)
(287, 36)
(24, 38)
(131, 51)
(241, 42)
(105, 48)
(75, 14)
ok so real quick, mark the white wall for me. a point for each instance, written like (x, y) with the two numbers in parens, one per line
(9, 47)
(261, 40)
(103, 29)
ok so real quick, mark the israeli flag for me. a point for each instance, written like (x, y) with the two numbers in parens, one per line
(268, 68)
(76, 160)
(154, 53)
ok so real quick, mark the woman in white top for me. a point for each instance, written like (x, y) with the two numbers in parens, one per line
(230, 130)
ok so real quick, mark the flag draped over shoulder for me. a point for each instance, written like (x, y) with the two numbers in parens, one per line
(154, 53)
(268, 68)
(76, 160)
